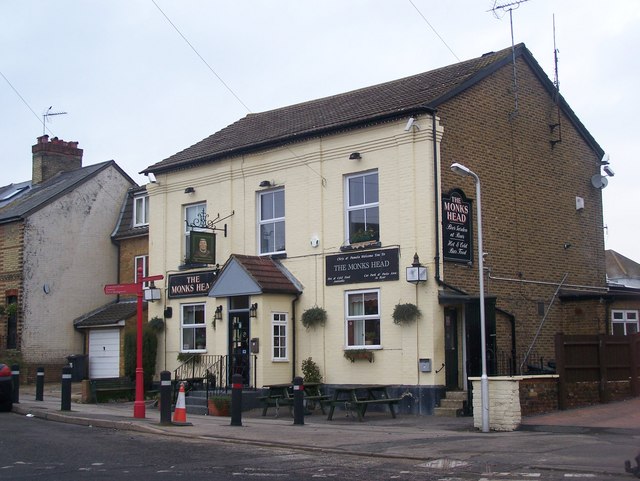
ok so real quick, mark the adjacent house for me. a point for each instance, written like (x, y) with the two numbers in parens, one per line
(56, 253)
(623, 276)
(347, 206)
(104, 328)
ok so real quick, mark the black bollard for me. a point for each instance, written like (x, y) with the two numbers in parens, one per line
(40, 384)
(15, 380)
(165, 397)
(65, 401)
(236, 400)
(298, 400)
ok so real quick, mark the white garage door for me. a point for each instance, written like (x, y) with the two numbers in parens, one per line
(104, 353)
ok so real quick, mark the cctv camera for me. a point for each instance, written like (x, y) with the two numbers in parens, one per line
(608, 170)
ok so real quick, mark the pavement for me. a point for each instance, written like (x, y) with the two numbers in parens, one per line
(585, 441)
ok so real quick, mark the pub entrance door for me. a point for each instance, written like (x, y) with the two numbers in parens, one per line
(239, 335)
(451, 348)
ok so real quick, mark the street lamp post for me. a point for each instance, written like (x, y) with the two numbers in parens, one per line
(484, 380)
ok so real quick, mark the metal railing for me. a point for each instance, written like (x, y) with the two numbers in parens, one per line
(212, 372)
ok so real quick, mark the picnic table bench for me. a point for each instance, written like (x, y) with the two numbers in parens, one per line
(278, 395)
(116, 385)
(359, 397)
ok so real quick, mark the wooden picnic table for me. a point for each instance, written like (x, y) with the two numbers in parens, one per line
(282, 395)
(359, 397)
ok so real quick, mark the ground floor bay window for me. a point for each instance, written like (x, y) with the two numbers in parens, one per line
(363, 318)
(193, 328)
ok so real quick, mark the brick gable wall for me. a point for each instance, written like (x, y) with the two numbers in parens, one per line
(529, 208)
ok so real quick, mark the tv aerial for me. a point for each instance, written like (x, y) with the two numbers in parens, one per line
(46, 115)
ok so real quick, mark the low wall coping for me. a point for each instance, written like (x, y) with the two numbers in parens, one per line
(517, 378)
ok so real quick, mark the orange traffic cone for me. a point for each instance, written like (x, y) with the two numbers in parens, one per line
(180, 412)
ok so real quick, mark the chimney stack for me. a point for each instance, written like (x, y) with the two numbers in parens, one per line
(52, 157)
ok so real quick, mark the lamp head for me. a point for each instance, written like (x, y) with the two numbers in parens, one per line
(460, 169)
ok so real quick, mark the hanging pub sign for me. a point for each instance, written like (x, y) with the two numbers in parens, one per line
(202, 247)
(457, 232)
(368, 266)
(194, 284)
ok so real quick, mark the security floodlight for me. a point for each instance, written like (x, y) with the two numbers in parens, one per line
(410, 124)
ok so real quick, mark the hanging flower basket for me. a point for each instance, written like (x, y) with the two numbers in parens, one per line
(358, 355)
(314, 316)
(405, 313)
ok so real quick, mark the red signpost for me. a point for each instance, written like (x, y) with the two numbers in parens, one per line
(137, 289)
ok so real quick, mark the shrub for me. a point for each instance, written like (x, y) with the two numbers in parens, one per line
(311, 371)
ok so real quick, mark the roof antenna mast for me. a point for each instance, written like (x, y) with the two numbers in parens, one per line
(510, 7)
(46, 115)
(556, 93)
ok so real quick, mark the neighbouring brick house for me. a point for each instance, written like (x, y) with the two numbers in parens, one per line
(105, 327)
(56, 253)
(339, 194)
(623, 275)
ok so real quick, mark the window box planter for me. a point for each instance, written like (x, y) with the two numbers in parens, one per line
(359, 355)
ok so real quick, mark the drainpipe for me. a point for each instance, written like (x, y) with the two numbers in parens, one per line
(436, 204)
(436, 198)
(293, 335)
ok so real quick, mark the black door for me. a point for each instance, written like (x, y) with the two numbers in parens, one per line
(473, 337)
(451, 348)
(239, 345)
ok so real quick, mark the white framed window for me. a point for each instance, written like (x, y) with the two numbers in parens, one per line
(191, 213)
(271, 230)
(362, 216)
(193, 328)
(362, 313)
(140, 261)
(140, 210)
(279, 336)
(624, 322)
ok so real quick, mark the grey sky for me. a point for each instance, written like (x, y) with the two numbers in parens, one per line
(136, 92)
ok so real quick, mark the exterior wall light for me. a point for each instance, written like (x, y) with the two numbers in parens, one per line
(253, 310)
(355, 156)
(416, 273)
(217, 315)
(152, 293)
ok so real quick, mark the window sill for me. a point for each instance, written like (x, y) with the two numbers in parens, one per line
(357, 246)
(280, 255)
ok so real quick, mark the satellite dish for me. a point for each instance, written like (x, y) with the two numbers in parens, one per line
(599, 181)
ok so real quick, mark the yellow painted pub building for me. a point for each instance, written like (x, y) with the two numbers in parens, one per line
(348, 204)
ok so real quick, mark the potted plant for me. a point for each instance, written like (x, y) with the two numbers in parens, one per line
(405, 313)
(314, 316)
(358, 354)
(219, 405)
